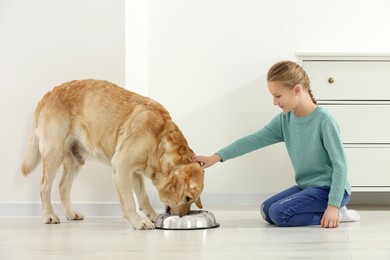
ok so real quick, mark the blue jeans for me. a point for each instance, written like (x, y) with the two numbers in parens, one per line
(298, 207)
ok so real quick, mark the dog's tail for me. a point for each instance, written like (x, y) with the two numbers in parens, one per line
(33, 155)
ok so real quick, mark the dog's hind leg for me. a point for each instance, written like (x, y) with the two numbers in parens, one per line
(142, 196)
(52, 160)
(51, 134)
(71, 168)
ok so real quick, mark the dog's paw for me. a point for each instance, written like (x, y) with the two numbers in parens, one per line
(74, 215)
(153, 217)
(141, 223)
(51, 219)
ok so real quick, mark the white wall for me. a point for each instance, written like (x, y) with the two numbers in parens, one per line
(208, 59)
(44, 43)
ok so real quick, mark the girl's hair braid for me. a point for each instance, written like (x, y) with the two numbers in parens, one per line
(311, 96)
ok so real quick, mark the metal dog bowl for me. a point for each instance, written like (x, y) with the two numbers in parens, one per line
(197, 219)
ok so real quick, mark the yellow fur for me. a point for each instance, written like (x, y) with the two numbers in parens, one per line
(135, 135)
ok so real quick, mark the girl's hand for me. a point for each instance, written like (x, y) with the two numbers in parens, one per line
(206, 161)
(330, 219)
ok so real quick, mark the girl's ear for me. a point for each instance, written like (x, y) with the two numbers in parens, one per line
(297, 89)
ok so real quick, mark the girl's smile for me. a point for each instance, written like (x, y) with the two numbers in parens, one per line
(291, 98)
(283, 97)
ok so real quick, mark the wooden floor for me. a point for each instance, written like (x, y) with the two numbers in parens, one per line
(242, 235)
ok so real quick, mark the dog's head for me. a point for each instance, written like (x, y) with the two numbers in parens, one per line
(181, 188)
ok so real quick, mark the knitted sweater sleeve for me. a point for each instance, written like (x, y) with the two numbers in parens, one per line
(334, 148)
(272, 133)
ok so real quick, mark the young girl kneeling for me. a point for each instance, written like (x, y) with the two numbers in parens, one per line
(313, 142)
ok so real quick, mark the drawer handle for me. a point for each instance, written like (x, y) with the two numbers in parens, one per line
(331, 80)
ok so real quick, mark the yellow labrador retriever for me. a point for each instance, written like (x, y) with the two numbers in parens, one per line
(135, 135)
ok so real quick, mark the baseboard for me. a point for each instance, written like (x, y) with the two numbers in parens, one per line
(25, 209)
(113, 208)
(208, 199)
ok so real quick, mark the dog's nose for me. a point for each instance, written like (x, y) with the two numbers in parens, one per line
(168, 209)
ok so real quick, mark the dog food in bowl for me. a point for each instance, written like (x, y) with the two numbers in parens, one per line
(197, 219)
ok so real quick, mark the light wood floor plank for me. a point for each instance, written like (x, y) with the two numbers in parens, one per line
(242, 235)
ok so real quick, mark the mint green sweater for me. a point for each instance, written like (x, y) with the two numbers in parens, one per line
(313, 144)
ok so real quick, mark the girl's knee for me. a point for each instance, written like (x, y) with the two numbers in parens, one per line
(264, 213)
(277, 215)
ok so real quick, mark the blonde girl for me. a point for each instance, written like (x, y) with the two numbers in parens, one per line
(313, 142)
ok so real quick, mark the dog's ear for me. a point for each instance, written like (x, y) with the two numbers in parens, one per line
(199, 203)
(165, 183)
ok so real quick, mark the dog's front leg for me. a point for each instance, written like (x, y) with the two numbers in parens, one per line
(124, 188)
(142, 197)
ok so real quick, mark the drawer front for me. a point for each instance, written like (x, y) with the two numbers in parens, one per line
(352, 80)
(362, 123)
(368, 166)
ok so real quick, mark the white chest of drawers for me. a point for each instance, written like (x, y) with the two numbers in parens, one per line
(355, 88)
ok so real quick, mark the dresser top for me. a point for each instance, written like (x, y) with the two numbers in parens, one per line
(342, 56)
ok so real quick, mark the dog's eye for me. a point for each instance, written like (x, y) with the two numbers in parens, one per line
(188, 199)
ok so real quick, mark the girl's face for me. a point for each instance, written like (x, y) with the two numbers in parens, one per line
(284, 97)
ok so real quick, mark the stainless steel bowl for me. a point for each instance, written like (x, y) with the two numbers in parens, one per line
(197, 219)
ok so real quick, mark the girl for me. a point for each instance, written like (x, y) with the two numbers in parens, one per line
(313, 142)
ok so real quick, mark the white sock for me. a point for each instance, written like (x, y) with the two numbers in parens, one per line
(348, 215)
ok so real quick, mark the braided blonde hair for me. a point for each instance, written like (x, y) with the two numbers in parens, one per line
(290, 74)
